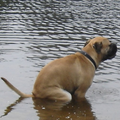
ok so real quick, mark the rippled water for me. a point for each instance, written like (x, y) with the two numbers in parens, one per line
(32, 33)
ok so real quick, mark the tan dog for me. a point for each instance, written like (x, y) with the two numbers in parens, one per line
(73, 74)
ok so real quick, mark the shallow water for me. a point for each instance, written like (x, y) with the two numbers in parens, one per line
(34, 33)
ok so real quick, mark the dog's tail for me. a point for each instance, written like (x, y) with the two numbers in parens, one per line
(15, 89)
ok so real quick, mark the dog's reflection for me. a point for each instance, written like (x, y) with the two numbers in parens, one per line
(75, 110)
(10, 107)
(54, 110)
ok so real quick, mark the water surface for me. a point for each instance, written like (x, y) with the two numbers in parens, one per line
(32, 33)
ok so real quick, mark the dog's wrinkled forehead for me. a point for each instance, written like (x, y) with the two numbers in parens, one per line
(98, 39)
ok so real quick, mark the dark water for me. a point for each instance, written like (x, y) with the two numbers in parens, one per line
(32, 33)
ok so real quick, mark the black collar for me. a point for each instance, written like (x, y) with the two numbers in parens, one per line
(88, 56)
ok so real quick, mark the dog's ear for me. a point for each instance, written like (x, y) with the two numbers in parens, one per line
(87, 42)
(98, 46)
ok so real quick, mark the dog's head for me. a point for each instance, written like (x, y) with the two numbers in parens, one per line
(103, 47)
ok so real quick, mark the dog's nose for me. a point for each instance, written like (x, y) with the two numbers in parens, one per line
(113, 46)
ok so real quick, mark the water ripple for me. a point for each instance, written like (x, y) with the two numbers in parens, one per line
(32, 33)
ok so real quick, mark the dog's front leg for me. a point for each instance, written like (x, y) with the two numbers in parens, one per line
(80, 92)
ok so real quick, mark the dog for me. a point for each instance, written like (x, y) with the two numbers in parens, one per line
(71, 75)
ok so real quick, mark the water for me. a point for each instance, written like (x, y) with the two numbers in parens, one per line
(32, 33)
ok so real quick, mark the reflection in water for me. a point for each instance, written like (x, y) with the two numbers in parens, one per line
(10, 107)
(54, 110)
(75, 110)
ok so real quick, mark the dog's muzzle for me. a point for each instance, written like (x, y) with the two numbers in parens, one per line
(112, 51)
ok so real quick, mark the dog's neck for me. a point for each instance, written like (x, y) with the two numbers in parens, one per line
(88, 56)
